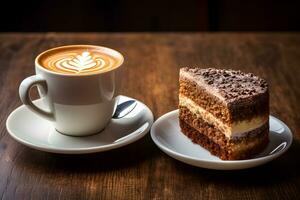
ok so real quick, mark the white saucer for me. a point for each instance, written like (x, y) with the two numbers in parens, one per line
(38, 133)
(166, 134)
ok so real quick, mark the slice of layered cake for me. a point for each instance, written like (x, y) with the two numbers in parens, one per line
(225, 111)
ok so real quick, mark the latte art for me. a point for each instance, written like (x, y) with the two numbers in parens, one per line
(80, 60)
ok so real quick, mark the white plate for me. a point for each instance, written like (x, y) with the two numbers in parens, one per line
(38, 133)
(166, 134)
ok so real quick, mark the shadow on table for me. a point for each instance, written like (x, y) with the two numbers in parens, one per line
(280, 170)
(124, 157)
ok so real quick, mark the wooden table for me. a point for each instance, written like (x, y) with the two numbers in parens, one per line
(150, 74)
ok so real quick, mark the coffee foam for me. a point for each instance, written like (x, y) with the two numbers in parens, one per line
(84, 59)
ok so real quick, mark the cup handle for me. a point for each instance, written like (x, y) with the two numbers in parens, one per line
(24, 90)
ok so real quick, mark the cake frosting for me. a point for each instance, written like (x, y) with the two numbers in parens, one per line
(228, 85)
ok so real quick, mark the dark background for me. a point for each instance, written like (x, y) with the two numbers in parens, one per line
(150, 15)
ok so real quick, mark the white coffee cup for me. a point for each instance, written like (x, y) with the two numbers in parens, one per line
(79, 104)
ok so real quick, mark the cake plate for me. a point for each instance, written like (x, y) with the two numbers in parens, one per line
(167, 135)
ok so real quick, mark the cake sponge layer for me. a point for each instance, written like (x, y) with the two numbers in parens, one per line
(235, 129)
(215, 141)
(215, 149)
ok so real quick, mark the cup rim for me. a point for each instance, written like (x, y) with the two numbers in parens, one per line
(78, 75)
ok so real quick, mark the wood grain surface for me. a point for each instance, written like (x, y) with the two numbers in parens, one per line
(150, 74)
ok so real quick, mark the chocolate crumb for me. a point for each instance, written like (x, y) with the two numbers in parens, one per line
(231, 85)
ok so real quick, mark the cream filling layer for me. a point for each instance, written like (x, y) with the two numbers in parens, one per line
(235, 130)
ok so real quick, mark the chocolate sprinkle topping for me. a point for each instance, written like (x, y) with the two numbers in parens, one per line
(230, 84)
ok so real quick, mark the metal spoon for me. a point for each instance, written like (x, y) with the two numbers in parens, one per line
(124, 109)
